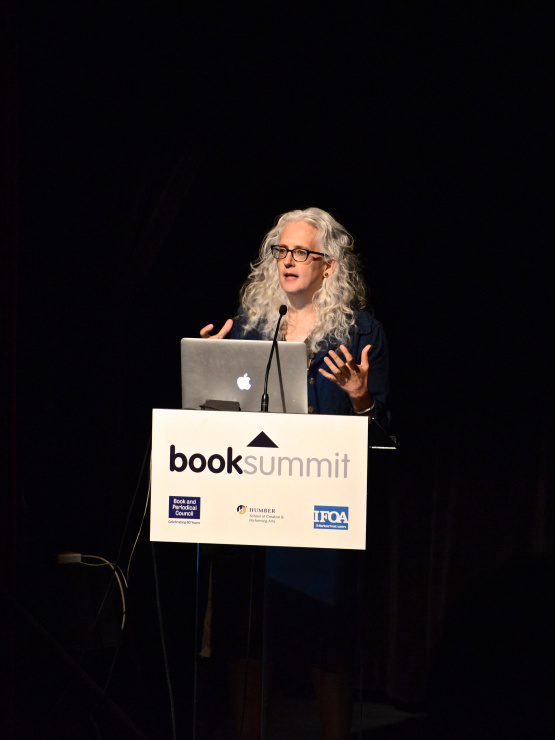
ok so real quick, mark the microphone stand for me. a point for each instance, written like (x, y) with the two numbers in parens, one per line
(264, 400)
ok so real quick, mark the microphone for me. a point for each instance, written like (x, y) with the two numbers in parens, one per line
(264, 399)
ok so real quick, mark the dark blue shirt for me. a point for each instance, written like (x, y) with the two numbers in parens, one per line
(324, 396)
(329, 576)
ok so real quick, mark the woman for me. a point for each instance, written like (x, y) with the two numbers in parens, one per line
(307, 261)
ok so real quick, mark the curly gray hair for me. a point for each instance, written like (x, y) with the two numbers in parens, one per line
(335, 303)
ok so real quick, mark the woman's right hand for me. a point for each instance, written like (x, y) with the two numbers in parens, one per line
(224, 331)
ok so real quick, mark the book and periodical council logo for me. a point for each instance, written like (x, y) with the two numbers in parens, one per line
(184, 508)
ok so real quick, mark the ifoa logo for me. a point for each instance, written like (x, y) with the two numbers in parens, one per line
(331, 517)
(268, 463)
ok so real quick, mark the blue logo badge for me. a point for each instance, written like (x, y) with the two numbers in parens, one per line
(331, 517)
(184, 508)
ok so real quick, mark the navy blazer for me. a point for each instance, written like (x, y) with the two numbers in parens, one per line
(325, 397)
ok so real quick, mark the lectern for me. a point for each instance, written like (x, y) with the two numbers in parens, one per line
(248, 487)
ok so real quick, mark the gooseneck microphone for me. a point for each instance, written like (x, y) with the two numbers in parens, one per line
(264, 399)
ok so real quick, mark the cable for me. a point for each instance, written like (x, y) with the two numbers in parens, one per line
(142, 520)
(105, 562)
(163, 641)
(197, 652)
(76, 558)
(137, 487)
(360, 695)
(265, 629)
(246, 679)
(116, 574)
(125, 526)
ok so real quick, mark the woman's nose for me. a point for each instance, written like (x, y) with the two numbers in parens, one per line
(288, 259)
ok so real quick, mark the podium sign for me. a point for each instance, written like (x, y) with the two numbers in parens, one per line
(242, 478)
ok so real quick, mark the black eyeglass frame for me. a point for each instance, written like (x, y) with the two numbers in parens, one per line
(276, 256)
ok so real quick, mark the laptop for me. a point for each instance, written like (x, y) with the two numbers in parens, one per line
(233, 370)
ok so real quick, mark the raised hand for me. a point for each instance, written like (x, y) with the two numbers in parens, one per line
(349, 376)
(224, 331)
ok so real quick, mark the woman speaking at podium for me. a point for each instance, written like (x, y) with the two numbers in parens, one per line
(307, 262)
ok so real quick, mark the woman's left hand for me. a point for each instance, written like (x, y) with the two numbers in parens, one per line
(349, 376)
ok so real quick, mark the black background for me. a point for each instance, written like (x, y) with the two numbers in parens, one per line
(157, 143)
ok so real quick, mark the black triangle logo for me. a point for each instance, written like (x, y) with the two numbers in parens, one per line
(262, 441)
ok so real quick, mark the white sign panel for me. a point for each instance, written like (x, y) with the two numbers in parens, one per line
(259, 479)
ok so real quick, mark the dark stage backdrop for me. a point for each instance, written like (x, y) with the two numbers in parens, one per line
(157, 142)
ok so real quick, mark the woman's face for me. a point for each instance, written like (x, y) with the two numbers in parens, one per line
(301, 280)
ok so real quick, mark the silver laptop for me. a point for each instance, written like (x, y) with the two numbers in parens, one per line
(234, 370)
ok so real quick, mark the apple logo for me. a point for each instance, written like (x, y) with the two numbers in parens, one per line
(244, 382)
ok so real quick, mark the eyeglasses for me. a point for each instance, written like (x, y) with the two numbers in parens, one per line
(298, 253)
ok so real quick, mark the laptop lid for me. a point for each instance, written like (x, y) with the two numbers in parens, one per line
(234, 370)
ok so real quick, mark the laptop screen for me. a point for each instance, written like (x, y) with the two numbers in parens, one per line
(234, 370)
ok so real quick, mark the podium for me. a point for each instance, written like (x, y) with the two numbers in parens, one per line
(277, 506)
(291, 480)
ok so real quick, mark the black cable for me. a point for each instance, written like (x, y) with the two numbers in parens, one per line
(145, 458)
(197, 624)
(125, 526)
(359, 632)
(245, 685)
(163, 641)
(265, 620)
(360, 682)
(107, 591)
